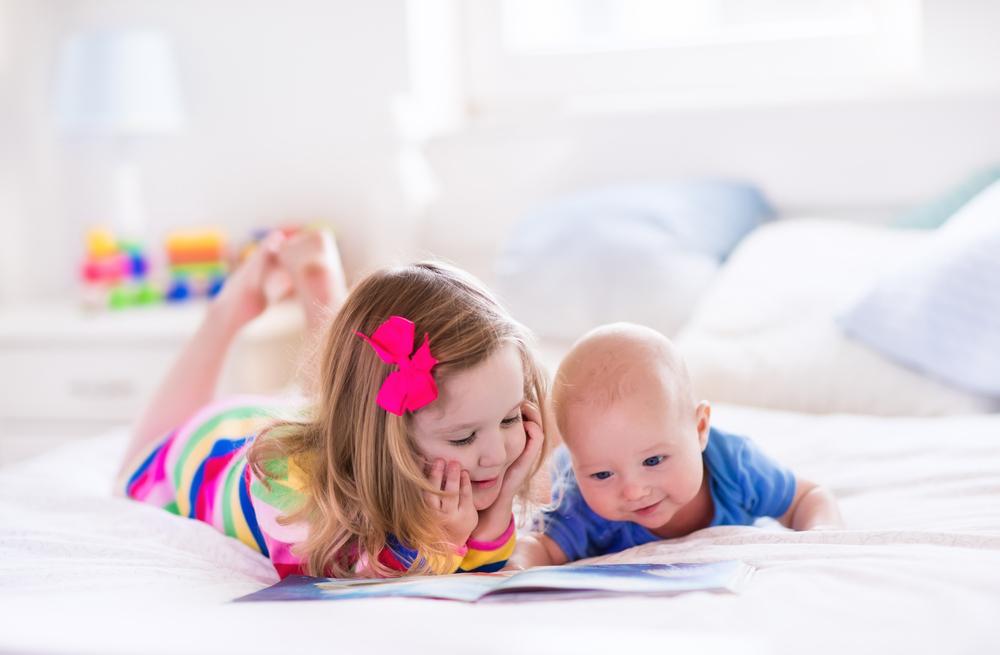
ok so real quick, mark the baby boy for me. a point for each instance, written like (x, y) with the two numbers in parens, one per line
(642, 463)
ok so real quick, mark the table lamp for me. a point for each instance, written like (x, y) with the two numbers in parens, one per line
(120, 85)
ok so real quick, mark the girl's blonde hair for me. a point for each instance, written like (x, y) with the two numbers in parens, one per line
(364, 474)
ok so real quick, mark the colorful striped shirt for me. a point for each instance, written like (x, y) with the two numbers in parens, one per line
(200, 471)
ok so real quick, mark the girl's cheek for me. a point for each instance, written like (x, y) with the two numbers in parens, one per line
(464, 459)
(515, 445)
(431, 455)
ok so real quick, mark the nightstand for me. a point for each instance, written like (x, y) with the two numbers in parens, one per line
(65, 373)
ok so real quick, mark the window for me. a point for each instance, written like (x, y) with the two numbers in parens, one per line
(530, 52)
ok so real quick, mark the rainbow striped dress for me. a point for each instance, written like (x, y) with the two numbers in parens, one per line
(200, 471)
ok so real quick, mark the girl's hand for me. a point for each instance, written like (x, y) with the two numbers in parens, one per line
(455, 508)
(518, 472)
(494, 519)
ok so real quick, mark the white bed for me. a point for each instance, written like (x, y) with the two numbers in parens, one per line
(917, 570)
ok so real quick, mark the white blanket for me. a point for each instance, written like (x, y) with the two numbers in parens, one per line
(918, 570)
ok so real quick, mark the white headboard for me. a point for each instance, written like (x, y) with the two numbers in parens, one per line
(868, 157)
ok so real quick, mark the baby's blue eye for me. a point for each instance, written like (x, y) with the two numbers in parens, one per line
(601, 475)
(653, 461)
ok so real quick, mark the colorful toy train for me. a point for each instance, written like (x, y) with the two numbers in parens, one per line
(118, 273)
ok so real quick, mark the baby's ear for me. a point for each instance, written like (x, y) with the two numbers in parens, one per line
(703, 421)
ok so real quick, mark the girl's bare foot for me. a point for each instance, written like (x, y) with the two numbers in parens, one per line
(255, 284)
(312, 260)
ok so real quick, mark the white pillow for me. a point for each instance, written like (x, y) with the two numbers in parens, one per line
(765, 332)
(643, 253)
(940, 312)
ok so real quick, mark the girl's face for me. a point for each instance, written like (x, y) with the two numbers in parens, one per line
(476, 421)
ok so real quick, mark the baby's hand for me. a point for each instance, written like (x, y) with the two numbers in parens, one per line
(455, 508)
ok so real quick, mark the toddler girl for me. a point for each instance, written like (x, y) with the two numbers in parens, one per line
(421, 427)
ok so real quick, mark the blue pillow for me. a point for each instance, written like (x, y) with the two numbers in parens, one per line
(640, 253)
(934, 213)
(940, 314)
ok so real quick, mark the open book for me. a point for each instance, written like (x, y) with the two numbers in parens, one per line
(543, 583)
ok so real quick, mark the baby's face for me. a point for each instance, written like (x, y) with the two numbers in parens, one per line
(638, 460)
(476, 422)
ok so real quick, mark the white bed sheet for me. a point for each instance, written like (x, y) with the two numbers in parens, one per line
(918, 571)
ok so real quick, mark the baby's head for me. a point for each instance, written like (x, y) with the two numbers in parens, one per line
(625, 408)
(368, 465)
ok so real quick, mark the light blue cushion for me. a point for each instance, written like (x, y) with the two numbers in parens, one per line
(934, 213)
(640, 253)
(940, 314)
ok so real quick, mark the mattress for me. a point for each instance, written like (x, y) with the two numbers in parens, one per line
(917, 569)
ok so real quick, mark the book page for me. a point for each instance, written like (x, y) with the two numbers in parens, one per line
(542, 583)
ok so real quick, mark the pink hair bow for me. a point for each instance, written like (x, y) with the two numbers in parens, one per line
(411, 385)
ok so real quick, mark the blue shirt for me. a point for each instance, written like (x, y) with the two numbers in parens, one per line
(744, 482)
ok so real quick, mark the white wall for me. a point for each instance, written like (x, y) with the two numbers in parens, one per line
(8, 204)
(27, 180)
(289, 119)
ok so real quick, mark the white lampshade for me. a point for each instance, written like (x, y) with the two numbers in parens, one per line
(118, 82)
